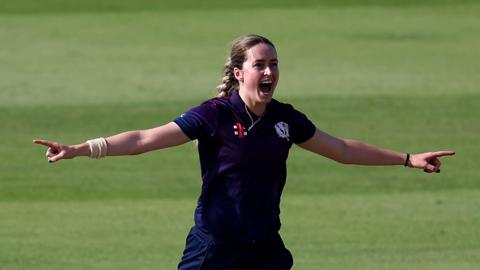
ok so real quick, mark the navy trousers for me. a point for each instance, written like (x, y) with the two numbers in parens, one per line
(204, 252)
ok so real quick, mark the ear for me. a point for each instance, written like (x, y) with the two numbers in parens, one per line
(238, 73)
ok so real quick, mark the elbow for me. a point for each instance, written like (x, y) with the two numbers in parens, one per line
(140, 145)
(342, 155)
(138, 149)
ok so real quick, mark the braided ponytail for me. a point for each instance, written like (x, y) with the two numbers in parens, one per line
(236, 59)
(229, 82)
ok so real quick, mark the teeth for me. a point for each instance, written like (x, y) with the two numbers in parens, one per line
(266, 82)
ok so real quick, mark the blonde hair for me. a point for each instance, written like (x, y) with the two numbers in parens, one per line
(236, 59)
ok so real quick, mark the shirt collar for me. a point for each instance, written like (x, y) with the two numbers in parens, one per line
(237, 101)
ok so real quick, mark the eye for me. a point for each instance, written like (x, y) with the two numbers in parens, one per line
(258, 65)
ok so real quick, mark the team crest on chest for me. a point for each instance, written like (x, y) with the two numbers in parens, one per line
(239, 130)
(282, 130)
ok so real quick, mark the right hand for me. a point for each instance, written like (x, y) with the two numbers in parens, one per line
(429, 161)
(56, 151)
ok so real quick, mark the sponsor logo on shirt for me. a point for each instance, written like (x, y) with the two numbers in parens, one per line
(282, 130)
(239, 130)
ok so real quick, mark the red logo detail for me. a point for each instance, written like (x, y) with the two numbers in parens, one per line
(239, 130)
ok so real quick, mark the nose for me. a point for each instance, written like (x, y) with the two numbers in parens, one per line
(267, 71)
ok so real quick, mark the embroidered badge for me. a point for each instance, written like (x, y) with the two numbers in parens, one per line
(239, 130)
(282, 130)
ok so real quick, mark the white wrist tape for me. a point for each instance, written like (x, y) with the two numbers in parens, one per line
(98, 148)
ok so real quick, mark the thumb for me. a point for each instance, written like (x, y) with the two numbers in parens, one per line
(56, 157)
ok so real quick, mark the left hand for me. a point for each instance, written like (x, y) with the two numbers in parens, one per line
(429, 161)
(57, 151)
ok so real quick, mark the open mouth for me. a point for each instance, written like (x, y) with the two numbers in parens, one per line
(266, 86)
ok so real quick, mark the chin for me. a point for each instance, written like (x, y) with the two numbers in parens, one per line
(264, 100)
(264, 97)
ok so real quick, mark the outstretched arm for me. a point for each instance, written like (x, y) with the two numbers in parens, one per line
(126, 143)
(348, 151)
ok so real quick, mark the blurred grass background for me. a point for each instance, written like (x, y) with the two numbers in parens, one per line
(399, 74)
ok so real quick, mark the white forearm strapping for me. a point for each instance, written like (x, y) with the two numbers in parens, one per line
(98, 148)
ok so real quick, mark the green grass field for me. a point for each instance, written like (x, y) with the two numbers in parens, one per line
(398, 74)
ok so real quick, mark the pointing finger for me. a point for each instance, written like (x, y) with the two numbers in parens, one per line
(45, 143)
(442, 153)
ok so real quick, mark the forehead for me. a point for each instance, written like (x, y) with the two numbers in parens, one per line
(261, 51)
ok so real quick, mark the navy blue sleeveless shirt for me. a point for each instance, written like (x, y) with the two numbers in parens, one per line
(243, 164)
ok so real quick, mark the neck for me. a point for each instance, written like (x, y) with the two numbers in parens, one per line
(257, 108)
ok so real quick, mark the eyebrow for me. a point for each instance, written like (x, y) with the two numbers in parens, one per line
(263, 60)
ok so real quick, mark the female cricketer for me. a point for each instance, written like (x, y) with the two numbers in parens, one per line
(244, 137)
